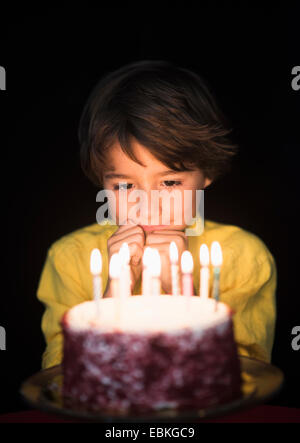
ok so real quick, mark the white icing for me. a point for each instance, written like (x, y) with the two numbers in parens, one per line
(139, 314)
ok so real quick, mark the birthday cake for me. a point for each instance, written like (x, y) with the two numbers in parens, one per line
(150, 353)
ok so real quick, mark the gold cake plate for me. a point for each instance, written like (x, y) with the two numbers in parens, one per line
(261, 381)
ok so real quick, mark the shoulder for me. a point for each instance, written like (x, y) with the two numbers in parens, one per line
(238, 240)
(241, 249)
(81, 240)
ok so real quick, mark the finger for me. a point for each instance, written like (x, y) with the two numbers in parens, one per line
(126, 225)
(128, 222)
(170, 232)
(135, 238)
(135, 250)
(165, 246)
(123, 236)
(180, 241)
(136, 253)
(155, 239)
(171, 236)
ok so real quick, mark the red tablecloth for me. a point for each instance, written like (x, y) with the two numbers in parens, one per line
(257, 414)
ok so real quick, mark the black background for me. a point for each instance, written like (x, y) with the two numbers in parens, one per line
(54, 58)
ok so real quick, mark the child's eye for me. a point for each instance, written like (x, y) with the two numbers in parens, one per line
(122, 186)
(171, 183)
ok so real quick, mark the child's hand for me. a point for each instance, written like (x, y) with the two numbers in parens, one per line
(161, 240)
(134, 236)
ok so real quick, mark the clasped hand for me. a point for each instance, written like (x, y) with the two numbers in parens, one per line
(137, 241)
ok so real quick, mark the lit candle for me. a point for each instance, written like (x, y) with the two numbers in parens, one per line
(173, 251)
(216, 259)
(187, 266)
(96, 269)
(155, 271)
(114, 275)
(125, 286)
(204, 271)
(146, 277)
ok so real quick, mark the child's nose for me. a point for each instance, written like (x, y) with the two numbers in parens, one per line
(148, 205)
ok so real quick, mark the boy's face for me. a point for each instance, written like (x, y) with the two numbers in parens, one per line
(154, 175)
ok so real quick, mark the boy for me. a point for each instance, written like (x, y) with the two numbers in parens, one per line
(154, 126)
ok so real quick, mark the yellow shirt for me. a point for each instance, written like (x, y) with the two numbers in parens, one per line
(247, 283)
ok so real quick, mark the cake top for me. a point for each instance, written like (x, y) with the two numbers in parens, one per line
(141, 314)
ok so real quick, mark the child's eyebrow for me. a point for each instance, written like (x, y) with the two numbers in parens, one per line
(162, 173)
(114, 175)
(168, 172)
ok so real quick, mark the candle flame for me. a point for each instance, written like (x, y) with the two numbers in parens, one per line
(155, 268)
(147, 256)
(115, 266)
(216, 254)
(96, 262)
(173, 251)
(124, 253)
(187, 264)
(204, 255)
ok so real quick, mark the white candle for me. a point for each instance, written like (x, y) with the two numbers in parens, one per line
(155, 271)
(125, 280)
(216, 259)
(204, 271)
(114, 275)
(146, 277)
(173, 251)
(96, 269)
(187, 266)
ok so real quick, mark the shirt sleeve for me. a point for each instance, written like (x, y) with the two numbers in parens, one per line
(250, 290)
(59, 289)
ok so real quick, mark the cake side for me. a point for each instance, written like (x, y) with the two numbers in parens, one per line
(125, 370)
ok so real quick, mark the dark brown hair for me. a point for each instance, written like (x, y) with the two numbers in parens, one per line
(166, 108)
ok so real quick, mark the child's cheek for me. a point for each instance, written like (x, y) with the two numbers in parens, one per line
(190, 206)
